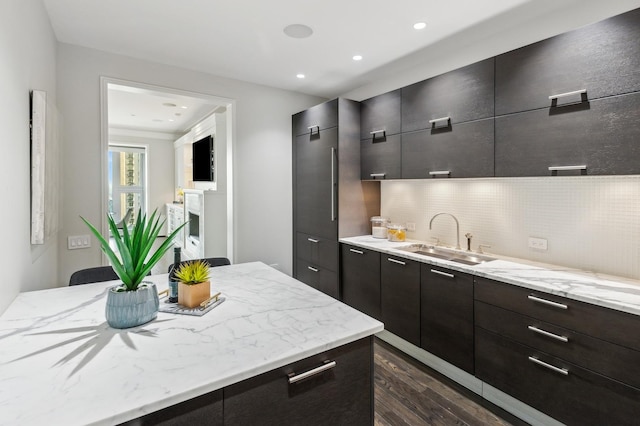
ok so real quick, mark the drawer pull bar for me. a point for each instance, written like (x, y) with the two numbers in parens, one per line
(311, 268)
(556, 168)
(563, 371)
(564, 95)
(328, 365)
(443, 273)
(437, 120)
(375, 132)
(378, 175)
(548, 302)
(440, 172)
(548, 334)
(313, 240)
(356, 251)
(315, 126)
(396, 261)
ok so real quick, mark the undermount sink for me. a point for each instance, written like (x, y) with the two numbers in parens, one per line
(446, 254)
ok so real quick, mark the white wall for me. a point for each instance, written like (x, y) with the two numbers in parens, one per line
(27, 62)
(262, 157)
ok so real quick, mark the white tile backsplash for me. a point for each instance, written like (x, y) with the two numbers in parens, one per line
(589, 222)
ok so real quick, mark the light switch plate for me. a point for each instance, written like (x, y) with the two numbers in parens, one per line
(411, 226)
(75, 242)
(538, 243)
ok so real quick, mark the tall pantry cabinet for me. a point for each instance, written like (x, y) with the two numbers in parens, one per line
(329, 199)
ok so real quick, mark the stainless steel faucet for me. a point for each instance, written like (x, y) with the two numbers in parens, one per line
(457, 227)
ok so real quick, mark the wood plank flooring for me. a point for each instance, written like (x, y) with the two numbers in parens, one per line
(409, 393)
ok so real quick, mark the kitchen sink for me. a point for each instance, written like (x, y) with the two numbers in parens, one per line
(447, 254)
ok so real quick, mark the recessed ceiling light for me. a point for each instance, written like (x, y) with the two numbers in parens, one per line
(357, 58)
(420, 25)
(171, 120)
(298, 31)
(300, 75)
(184, 107)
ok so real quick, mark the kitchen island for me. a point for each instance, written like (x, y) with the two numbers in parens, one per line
(60, 363)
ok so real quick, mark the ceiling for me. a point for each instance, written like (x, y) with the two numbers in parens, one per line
(245, 39)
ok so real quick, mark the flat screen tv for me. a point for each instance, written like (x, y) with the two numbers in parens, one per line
(203, 160)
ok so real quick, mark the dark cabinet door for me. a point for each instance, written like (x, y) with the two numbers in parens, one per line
(460, 150)
(320, 251)
(601, 135)
(400, 292)
(461, 95)
(316, 183)
(446, 312)
(603, 59)
(318, 277)
(342, 394)
(360, 278)
(380, 113)
(201, 410)
(380, 158)
(319, 117)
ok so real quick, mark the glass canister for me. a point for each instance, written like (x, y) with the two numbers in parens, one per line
(396, 232)
(379, 227)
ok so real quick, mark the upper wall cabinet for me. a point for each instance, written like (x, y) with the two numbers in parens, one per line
(380, 116)
(461, 95)
(599, 60)
(314, 119)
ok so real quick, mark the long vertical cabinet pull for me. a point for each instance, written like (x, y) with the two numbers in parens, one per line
(333, 185)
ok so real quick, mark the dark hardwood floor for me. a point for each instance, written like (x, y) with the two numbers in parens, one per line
(409, 393)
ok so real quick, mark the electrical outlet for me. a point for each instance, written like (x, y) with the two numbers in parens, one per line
(538, 243)
(411, 226)
(75, 242)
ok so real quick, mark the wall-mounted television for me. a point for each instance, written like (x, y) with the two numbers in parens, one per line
(203, 160)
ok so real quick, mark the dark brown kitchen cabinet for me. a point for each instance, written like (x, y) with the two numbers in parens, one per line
(360, 278)
(341, 394)
(400, 293)
(602, 58)
(204, 409)
(460, 150)
(381, 158)
(446, 315)
(597, 137)
(319, 277)
(317, 250)
(312, 120)
(380, 115)
(457, 96)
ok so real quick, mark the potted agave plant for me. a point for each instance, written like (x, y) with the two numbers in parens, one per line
(194, 286)
(133, 302)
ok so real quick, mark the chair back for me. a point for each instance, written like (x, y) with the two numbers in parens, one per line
(212, 261)
(93, 275)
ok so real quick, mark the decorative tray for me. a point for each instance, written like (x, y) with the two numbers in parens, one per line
(175, 308)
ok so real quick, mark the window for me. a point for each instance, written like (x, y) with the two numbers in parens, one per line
(127, 181)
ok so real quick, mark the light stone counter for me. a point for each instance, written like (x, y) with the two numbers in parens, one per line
(616, 293)
(60, 363)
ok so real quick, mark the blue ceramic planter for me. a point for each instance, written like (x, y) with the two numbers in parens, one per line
(131, 308)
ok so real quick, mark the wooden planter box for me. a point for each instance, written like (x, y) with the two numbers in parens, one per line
(191, 296)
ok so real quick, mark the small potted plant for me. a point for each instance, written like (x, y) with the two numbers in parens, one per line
(194, 286)
(133, 302)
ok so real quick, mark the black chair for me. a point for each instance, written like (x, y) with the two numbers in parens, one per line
(93, 275)
(212, 261)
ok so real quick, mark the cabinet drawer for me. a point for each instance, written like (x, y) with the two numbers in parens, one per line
(400, 293)
(318, 277)
(380, 113)
(579, 397)
(341, 395)
(360, 278)
(324, 116)
(600, 135)
(201, 410)
(463, 94)
(602, 357)
(603, 58)
(380, 158)
(603, 323)
(461, 150)
(317, 250)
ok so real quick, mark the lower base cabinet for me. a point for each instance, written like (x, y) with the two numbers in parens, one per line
(318, 277)
(400, 297)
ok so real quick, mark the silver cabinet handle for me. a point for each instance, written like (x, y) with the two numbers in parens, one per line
(333, 185)
(443, 273)
(438, 120)
(396, 261)
(548, 334)
(328, 365)
(313, 240)
(315, 126)
(311, 268)
(564, 95)
(562, 371)
(375, 132)
(356, 251)
(548, 302)
(378, 175)
(440, 172)
(556, 168)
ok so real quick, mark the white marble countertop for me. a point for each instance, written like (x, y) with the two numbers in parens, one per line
(612, 292)
(60, 363)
